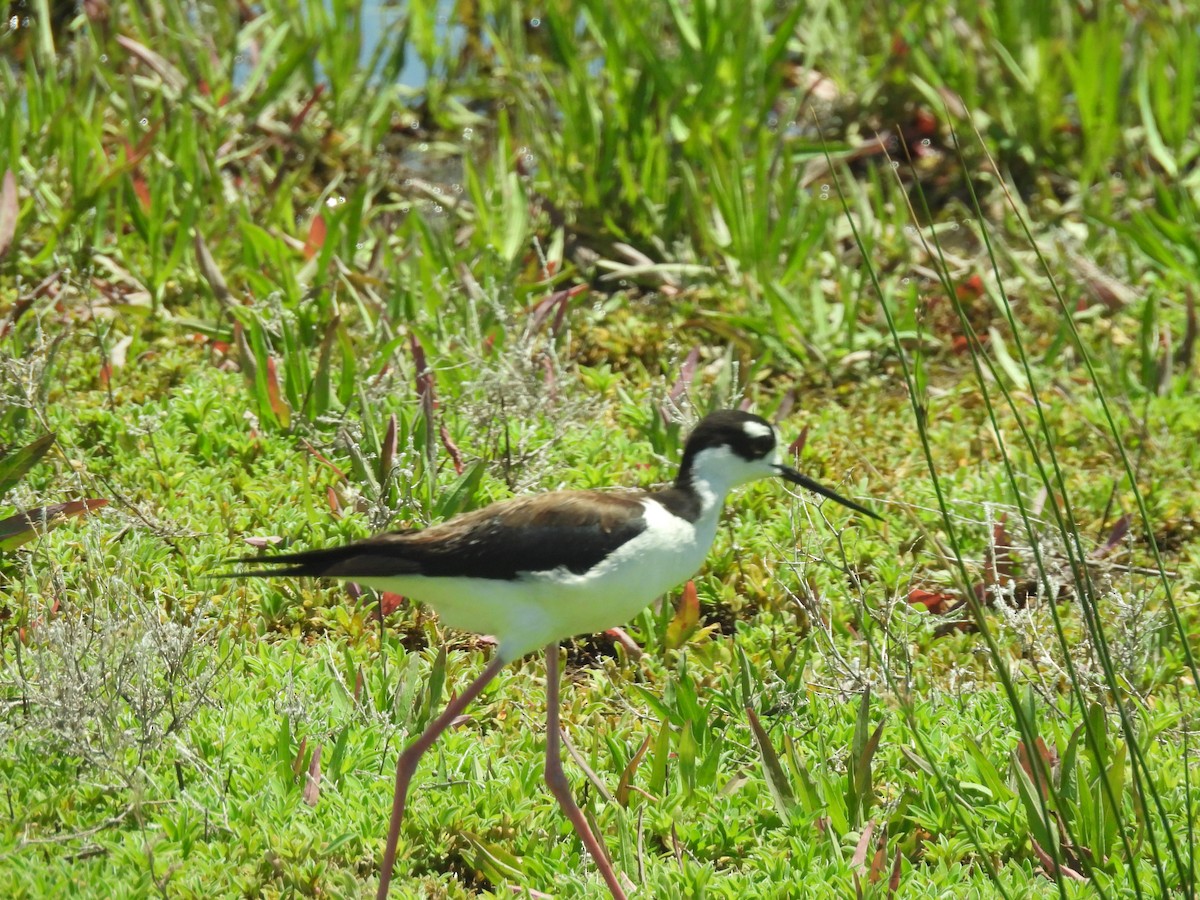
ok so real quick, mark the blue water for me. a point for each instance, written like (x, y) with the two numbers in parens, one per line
(382, 21)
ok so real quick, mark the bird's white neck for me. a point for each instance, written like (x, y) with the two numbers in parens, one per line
(715, 471)
(711, 493)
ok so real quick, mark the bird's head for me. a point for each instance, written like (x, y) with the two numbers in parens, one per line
(730, 447)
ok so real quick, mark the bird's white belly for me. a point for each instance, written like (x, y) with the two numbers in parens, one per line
(530, 612)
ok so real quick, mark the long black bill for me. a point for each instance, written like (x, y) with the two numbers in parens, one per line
(804, 481)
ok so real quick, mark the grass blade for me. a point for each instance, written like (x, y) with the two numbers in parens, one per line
(777, 781)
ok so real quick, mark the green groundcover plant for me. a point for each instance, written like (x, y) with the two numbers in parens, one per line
(284, 274)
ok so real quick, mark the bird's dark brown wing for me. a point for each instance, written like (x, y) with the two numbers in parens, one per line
(569, 529)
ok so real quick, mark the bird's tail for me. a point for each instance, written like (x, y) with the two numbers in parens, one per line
(378, 557)
(309, 563)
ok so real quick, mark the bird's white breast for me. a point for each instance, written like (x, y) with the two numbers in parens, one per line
(667, 552)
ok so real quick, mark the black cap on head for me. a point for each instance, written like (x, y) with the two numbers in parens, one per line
(749, 436)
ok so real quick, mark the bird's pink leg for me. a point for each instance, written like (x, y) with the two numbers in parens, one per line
(556, 780)
(407, 765)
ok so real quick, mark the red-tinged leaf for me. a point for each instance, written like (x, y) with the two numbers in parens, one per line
(24, 527)
(561, 315)
(933, 601)
(424, 377)
(894, 881)
(14, 466)
(687, 374)
(298, 118)
(786, 405)
(686, 619)
(316, 237)
(1000, 558)
(1187, 346)
(387, 452)
(9, 210)
(298, 762)
(105, 375)
(135, 154)
(141, 189)
(1110, 292)
(324, 460)
(963, 343)
(632, 650)
(924, 123)
(540, 311)
(557, 303)
(859, 859)
(262, 543)
(1119, 531)
(971, 289)
(278, 405)
(16, 311)
(389, 602)
(452, 449)
(335, 505)
(627, 776)
(1049, 755)
(879, 861)
(419, 364)
(245, 354)
(312, 781)
(167, 72)
(1046, 761)
(1054, 869)
(796, 447)
(982, 592)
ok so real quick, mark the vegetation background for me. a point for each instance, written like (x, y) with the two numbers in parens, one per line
(279, 274)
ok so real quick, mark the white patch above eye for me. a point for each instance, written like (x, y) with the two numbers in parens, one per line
(757, 429)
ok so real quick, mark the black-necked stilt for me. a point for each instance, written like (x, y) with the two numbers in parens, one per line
(534, 570)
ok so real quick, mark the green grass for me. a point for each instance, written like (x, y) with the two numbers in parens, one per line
(261, 295)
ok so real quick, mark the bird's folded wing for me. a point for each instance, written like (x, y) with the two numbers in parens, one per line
(543, 532)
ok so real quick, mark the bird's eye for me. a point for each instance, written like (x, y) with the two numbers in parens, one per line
(764, 445)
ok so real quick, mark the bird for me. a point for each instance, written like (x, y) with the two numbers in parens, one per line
(535, 570)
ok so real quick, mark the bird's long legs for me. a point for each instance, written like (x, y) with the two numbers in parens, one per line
(556, 780)
(407, 765)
